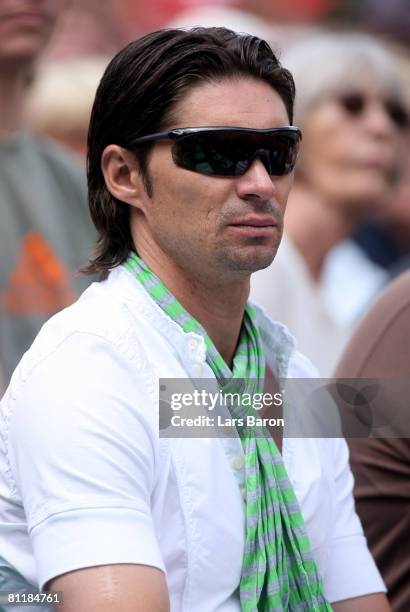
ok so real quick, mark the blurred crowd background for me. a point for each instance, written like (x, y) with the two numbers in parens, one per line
(90, 32)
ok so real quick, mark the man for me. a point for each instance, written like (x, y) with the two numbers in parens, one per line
(45, 234)
(97, 504)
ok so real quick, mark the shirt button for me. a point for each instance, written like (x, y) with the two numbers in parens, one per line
(237, 462)
(197, 369)
(193, 344)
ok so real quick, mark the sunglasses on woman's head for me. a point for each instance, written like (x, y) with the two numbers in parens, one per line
(229, 151)
(355, 104)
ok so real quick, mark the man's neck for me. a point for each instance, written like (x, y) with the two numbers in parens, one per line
(315, 226)
(217, 306)
(13, 89)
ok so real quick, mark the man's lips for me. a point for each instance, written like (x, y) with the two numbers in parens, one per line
(255, 222)
(254, 226)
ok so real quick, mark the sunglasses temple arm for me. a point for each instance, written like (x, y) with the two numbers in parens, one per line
(150, 138)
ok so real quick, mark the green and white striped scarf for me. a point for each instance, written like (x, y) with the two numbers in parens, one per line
(278, 571)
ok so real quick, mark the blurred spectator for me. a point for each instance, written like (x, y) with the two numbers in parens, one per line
(349, 104)
(386, 238)
(391, 17)
(59, 103)
(91, 27)
(45, 233)
(2, 382)
(380, 349)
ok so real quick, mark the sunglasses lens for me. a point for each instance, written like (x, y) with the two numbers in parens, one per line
(353, 103)
(397, 113)
(204, 154)
(230, 153)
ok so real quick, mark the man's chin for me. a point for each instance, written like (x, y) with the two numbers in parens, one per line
(262, 263)
(251, 262)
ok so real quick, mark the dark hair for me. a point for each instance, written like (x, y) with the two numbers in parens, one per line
(136, 96)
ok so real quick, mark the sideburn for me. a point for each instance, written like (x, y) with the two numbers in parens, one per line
(146, 179)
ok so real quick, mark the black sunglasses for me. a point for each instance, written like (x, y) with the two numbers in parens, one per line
(229, 151)
(355, 104)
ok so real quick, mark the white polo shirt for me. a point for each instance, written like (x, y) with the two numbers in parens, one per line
(86, 480)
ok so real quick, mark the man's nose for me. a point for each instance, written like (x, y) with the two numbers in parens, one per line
(256, 182)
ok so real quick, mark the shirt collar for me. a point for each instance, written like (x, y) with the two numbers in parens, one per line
(278, 342)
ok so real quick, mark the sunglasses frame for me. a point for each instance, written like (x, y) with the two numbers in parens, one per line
(177, 134)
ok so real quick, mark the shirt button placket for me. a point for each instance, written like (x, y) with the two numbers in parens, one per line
(197, 369)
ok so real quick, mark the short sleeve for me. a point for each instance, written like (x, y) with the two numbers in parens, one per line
(82, 452)
(351, 570)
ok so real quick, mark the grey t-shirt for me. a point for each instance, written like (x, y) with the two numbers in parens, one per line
(45, 236)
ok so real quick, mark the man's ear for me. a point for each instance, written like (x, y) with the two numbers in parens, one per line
(121, 175)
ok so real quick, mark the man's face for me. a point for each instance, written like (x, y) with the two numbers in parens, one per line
(25, 28)
(218, 226)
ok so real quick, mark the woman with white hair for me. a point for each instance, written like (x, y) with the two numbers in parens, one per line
(350, 107)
